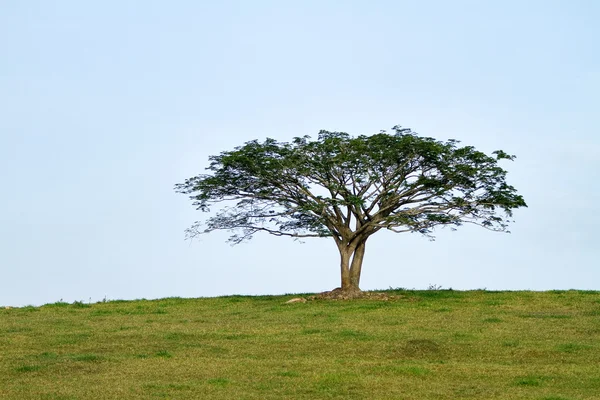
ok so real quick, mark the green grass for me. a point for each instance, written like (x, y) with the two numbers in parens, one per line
(435, 344)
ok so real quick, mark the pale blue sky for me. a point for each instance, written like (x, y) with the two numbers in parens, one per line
(105, 105)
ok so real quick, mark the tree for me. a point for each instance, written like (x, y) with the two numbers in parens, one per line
(349, 188)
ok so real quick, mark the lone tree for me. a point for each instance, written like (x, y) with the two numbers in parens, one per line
(349, 188)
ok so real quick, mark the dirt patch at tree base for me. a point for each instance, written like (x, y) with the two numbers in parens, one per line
(339, 294)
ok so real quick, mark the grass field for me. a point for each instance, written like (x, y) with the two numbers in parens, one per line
(435, 344)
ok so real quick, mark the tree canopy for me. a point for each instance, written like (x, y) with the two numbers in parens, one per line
(349, 188)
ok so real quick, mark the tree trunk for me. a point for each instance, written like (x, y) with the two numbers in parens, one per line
(345, 255)
(351, 264)
(356, 266)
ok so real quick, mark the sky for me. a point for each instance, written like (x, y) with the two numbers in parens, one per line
(104, 106)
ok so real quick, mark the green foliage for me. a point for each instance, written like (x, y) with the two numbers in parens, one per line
(351, 187)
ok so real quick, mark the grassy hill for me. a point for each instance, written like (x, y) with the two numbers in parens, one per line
(421, 345)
